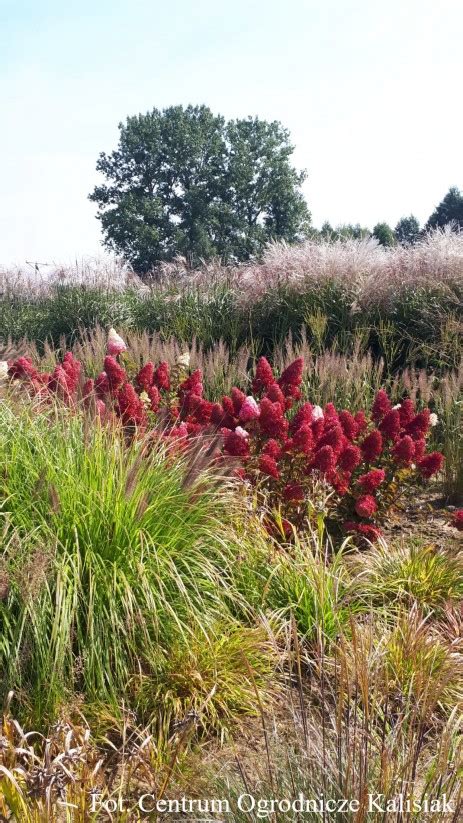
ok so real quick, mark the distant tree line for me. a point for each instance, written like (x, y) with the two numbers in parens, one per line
(184, 181)
(407, 230)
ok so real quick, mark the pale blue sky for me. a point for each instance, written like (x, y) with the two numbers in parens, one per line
(371, 92)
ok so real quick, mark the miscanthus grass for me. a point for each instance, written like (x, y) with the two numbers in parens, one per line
(116, 566)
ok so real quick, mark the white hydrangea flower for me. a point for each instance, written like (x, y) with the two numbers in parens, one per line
(3, 369)
(115, 345)
(317, 413)
(184, 360)
(397, 406)
(433, 419)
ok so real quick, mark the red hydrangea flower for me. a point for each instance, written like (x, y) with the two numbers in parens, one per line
(361, 420)
(100, 407)
(302, 440)
(72, 369)
(348, 423)
(330, 413)
(340, 482)
(271, 419)
(278, 529)
(41, 378)
(318, 427)
(87, 388)
(268, 466)
(365, 529)
(324, 460)
(293, 493)
(178, 433)
(249, 410)
(390, 424)
(263, 378)
(155, 398)
(58, 382)
(419, 425)
(193, 429)
(222, 418)
(273, 449)
(406, 412)
(302, 416)
(236, 445)
(193, 385)
(291, 378)
(202, 410)
(237, 397)
(161, 377)
(371, 480)
(381, 406)
(228, 406)
(101, 384)
(145, 376)
(431, 464)
(420, 449)
(114, 372)
(372, 446)
(365, 506)
(275, 394)
(457, 520)
(404, 450)
(129, 406)
(335, 438)
(350, 458)
(190, 403)
(22, 367)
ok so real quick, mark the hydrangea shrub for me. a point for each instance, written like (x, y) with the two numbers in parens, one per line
(291, 451)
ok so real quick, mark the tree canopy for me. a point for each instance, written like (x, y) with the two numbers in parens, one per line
(407, 230)
(344, 231)
(449, 210)
(384, 234)
(183, 181)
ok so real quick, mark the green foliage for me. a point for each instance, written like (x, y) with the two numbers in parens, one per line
(113, 563)
(407, 230)
(419, 327)
(384, 234)
(344, 231)
(449, 210)
(407, 572)
(185, 182)
(311, 588)
(449, 432)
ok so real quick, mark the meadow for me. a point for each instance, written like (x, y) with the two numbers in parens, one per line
(231, 559)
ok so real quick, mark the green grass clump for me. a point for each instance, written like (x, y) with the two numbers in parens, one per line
(113, 564)
(411, 572)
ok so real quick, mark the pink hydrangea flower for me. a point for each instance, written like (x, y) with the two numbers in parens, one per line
(249, 410)
(115, 345)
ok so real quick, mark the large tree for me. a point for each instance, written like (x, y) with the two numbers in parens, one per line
(184, 181)
(449, 210)
(384, 234)
(407, 230)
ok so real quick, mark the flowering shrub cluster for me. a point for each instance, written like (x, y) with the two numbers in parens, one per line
(292, 451)
(457, 520)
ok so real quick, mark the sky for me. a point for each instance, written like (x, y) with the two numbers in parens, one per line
(370, 91)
